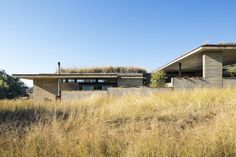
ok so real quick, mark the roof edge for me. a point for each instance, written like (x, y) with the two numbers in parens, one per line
(77, 75)
(198, 49)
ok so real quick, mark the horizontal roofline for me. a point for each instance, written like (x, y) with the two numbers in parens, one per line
(78, 75)
(199, 50)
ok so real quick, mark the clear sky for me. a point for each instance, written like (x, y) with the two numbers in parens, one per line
(35, 34)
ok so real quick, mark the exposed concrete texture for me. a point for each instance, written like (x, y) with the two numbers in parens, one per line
(212, 68)
(186, 83)
(136, 91)
(130, 82)
(44, 89)
(229, 82)
(143, 91)
(79, 95)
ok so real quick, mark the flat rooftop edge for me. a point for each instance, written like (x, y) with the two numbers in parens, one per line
(78, 75)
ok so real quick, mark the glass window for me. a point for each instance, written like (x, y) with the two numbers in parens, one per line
(87, 88)
(101, 81)
(64, 80)
(80, 81)
(71, 80)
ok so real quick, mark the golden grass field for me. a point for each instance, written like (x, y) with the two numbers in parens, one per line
(175, 124)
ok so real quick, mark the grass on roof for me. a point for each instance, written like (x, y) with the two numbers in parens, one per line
(108, 69)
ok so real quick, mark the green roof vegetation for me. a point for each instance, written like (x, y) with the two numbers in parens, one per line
(108, 69)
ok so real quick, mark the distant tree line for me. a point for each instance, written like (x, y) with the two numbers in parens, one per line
(10, 87)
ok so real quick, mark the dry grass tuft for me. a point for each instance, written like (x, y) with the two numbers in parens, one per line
(180, 123)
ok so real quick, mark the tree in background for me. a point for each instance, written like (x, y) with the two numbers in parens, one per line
(11, 87)
(158, 79)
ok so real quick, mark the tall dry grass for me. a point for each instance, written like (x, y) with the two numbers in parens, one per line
(175, 124)
(105, 69)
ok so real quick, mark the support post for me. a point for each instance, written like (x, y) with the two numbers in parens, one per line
(58, 97)
(180, 69)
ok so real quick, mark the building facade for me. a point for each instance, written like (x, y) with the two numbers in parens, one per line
(202, 67)
(50, 86)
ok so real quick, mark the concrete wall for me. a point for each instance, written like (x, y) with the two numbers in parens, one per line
(187, 83)
(229, 82)
(212, 68)
(143, 91)
(78, 95)
(44, 89)
(130, 82)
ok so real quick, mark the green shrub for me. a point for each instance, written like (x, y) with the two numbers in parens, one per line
(232, 70)
(158, 79)
(11, 87)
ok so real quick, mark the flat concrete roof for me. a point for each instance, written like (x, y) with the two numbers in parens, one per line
(78, 75)
(192, 61)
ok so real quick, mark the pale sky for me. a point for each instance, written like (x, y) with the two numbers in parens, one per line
(35, 35)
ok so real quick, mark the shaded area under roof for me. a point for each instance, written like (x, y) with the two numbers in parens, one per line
(192, 61)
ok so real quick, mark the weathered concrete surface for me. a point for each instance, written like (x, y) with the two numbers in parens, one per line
(78, 95)
(186, 83)
(136, 91)
(44, 89)
(212, 68)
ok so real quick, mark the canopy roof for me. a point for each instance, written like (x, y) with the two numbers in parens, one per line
(192, 61)
(78, 75)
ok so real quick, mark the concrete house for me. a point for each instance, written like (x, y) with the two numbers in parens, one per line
(69, 85)
(202, 67)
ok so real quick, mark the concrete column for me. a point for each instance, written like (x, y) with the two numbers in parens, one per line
(212, 68)
(180, 69)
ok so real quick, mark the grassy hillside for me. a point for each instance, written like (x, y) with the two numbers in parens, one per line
(175, 124)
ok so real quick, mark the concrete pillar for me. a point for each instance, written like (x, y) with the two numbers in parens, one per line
(213, 68)
(180, 69)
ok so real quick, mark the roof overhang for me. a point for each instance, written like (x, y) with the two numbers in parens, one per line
(78, 75)
(192, 61)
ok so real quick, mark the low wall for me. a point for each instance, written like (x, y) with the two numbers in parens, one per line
(186, 83)
(136, 91)
(78, 95)
(229, 82)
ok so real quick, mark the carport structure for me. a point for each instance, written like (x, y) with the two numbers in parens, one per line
(202, 67)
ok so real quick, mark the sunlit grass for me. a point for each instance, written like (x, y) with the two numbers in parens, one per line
(105, 69)
(180, 123)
